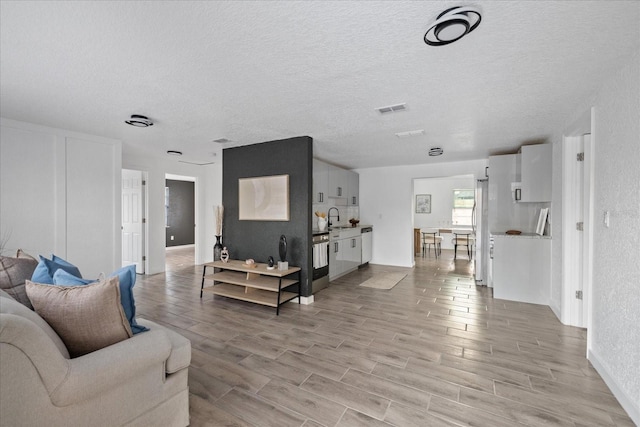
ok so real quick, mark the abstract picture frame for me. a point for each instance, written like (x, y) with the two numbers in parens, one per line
(263, 198)
(423, 203)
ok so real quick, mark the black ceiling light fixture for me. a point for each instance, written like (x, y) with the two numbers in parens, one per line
(139, 121)
(452, 25)
(435, 151)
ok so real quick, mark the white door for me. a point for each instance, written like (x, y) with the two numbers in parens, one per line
(133, 219)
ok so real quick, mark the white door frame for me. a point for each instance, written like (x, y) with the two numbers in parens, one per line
(577, 246)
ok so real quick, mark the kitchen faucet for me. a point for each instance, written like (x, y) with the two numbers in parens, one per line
(329, 214)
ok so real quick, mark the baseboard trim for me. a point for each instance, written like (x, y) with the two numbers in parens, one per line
(556, 311)
(304, 300)
(627, 403)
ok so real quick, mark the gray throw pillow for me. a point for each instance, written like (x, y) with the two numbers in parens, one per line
(13, 274)
(87, 318)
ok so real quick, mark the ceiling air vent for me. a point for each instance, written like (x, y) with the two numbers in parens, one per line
(221, 140)
(392, 108)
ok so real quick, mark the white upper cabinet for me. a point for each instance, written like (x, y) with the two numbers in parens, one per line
(330, 181)
(337, 182)
(535, 173)
(320, 182)
(353, 188)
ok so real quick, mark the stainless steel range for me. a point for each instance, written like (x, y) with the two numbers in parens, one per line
(320, 251)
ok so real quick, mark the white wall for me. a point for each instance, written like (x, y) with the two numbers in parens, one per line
(441, 190)
(614, 332)
(615, 345)
(386, 202)
(208, 189)
(59, 194)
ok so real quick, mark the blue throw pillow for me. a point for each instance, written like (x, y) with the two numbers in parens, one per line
(61, 277)
(127, 277)
(46, 268)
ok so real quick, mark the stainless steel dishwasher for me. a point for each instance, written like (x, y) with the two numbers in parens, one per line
(367, 243)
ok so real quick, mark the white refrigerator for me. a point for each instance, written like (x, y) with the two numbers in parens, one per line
(480, 222)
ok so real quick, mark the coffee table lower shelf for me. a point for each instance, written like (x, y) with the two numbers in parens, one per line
(257, 296)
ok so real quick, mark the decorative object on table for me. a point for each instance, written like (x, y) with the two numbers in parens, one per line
(270, 264)
(218, 212)
(250, 263)
(224, 255)
(354, 222)
(282, 249)
(322, 220)
(263, 198)
(423, 203)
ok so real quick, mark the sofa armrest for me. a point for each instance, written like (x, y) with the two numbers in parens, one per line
(180, 357)
(93, 373)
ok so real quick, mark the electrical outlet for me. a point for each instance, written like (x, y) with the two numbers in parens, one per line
(605, 219)
(171, 237)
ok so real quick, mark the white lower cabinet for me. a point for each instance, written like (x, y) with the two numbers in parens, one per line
(521, 268)
(345, 252)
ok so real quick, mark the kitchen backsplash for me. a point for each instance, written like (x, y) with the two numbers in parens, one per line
(346, 213)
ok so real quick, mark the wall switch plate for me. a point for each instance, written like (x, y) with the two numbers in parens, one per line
(605, 219)
(171, 237)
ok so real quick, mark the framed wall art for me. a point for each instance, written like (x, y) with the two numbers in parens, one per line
(423, 203)
(264, 198)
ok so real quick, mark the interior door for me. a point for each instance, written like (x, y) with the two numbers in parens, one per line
(132, 219)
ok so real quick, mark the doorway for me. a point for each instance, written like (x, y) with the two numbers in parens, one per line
(133, 219)
(180, 221)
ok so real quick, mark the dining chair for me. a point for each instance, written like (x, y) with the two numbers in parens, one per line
(430, 238)
(463, 239)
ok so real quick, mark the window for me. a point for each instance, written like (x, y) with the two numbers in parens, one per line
(463, 201)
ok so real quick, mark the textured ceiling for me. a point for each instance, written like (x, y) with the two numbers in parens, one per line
(258, 71)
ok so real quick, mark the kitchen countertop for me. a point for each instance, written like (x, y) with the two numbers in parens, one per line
(315, 231)
(519, 236)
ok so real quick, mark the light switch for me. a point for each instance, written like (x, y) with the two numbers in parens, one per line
(605, 219)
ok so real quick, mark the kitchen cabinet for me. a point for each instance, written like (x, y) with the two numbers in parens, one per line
(330, 181)
(320, 182)
(353, 188)
(337, 182)
(521, 268)
(345, 251)
(534, 172)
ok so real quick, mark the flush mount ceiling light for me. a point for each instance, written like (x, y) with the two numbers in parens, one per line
(174, 153)
(139, 121)
(452, 25)
(435, 151)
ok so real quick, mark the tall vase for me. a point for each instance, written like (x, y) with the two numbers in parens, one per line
(217, 249)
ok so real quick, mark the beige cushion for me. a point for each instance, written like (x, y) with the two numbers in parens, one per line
(10, 306)
(87, 318)
(13, 274)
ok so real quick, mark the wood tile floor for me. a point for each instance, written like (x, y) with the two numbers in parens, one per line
(433, 351)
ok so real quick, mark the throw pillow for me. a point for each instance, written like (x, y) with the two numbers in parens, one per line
(13, 274)
(61, 277)
(87, 318)
(47, 268)
(127, 278)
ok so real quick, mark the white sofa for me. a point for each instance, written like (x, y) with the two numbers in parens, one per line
(141, 381)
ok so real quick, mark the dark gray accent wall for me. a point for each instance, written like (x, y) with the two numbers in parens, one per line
(259, 239)
(182, 217)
